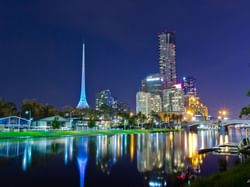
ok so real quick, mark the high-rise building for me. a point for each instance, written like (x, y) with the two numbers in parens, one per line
(189, 86)
(173, 99)
(83, 101)
(155, 103)
(153, 84)
(121, 106)
(104, 98)
(167, 47)
(146, 103)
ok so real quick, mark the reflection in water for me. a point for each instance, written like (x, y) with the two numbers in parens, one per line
(157, 157)
(27, 156)
(82, 158)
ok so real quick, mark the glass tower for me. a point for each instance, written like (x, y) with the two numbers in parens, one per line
(83, 101)
(168, 58)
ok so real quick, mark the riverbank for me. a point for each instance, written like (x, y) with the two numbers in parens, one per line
(237, 176)
(27, 134)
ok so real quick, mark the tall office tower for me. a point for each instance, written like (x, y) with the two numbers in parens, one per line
(168, 58)
(153, 84)
(83, 101)
(104, 98)
(146, 103)
(189, 86)
(173, 99)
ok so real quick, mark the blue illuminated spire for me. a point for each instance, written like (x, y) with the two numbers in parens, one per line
(83, 101)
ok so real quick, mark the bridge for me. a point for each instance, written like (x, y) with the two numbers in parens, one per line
(14, 122)
(203, 125)
(215, 124)
(243, 122)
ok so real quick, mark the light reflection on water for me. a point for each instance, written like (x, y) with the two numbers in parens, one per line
(157, 157)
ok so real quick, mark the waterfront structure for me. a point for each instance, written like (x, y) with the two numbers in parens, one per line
(189, 86)
(167, 47)
(83, 101)
(146, 103)
(173, 99)
(47, 123)
(14, 122)
(153, 84)
(104, 98)
(195, 109)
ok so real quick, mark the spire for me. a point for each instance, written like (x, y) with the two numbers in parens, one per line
(83, 101)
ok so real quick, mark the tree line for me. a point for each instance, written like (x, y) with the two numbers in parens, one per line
(29, 108)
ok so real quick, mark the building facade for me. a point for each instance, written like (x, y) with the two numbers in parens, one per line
(194, 108)
(104, 98)
(173, 99)
(146, 103)
(153, 84)
(167, 59)
(189, 86)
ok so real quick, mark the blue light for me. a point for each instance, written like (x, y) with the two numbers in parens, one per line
(83, 101)
(184, 78)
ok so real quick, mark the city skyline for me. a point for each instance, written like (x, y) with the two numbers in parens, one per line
(37, 42)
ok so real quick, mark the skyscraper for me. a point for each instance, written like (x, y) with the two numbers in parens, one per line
(189, 86)
(83, 101)
(173, 99)
(168, 58)
(153, 84)
(104, 98)
(146, 103)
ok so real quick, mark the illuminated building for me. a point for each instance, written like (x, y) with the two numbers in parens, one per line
(104, 98)
(189, 86)
(173, 99)
(153, 84)
(147, 103)
(194, 108)
(167, 47)
(121, 106)
(83, 101)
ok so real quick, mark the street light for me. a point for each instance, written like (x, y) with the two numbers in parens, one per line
(223, 114)
(29, 112)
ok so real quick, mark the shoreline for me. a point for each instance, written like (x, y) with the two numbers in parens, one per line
(60, 133)
(238, 175)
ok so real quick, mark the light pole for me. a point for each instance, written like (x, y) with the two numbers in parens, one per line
(29, 112)
(223, 114)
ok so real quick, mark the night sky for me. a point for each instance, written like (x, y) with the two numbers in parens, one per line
(41, 48)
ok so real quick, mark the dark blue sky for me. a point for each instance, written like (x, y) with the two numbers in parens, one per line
(41, 40)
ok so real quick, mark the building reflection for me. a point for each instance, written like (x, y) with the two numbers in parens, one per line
(158, 155)
(37, 148)
(109, 150)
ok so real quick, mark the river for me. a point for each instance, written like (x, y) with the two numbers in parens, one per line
(153, 159)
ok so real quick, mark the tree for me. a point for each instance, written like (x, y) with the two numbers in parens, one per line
(156, 117)
(91, 123)
(56, 124)
(106, 110)
(245, 111)
(7, 108)
(49, 110)
(248, 93)
(33, 106)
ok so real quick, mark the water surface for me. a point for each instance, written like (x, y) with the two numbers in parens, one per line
(153, 159)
